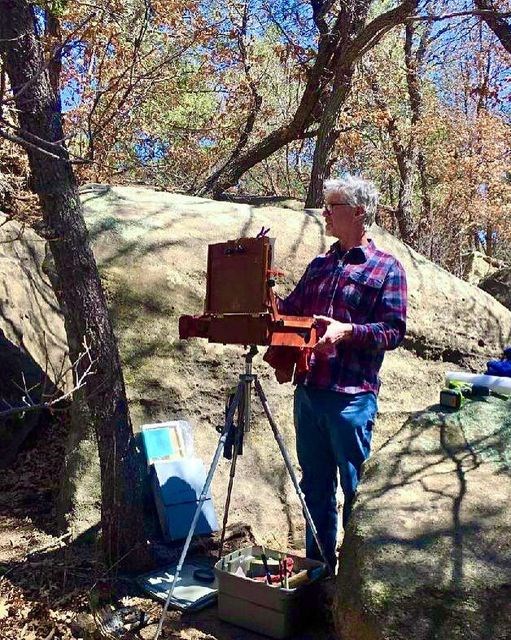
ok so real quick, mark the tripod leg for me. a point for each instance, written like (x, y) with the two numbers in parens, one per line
(228, 420)
(238, 439)
(289, 466)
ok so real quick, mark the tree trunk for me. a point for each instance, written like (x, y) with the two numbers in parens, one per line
(405, 160)
(415, 156)
(500, 27)
(327, 137)
(328, 131)
(80, 290)
(407, 155)
(408, 162)
(427, 208)
(404, 211)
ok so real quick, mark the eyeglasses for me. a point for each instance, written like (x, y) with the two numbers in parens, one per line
(329, 206)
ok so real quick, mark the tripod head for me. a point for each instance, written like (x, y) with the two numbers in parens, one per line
(249, 356)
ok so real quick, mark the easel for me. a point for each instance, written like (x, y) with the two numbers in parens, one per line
(242, 402)
(241, 308)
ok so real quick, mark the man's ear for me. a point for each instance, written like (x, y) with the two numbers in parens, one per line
(359, 213)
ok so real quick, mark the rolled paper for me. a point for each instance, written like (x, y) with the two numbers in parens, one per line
(499, 384)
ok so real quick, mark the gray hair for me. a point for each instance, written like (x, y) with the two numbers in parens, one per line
(358, 192)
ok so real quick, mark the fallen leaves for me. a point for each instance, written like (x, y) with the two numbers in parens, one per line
(4, 610)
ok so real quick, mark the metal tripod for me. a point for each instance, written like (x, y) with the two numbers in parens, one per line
(241, 402)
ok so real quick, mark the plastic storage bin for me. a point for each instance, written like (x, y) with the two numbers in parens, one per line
(272, 611)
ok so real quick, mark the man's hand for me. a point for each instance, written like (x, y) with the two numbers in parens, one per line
(331, 331)
(284, 375)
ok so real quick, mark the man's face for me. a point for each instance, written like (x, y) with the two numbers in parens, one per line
(341, 218)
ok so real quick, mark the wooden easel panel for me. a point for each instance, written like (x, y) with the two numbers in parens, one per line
(237, 274)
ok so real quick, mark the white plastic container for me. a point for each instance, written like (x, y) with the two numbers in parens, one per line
(499, 384)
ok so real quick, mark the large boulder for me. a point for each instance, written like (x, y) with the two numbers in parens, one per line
(32, 339)
(427, 552)
(151, 249)
(498, 285)
(34, 352)
(29, 314)
(448, 319)
(139, 234)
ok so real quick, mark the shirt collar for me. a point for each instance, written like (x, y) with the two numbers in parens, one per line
(356, 255)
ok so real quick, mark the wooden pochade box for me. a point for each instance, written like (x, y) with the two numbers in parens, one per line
(240, 306)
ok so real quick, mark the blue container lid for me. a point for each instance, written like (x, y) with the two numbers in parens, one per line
(163, 441)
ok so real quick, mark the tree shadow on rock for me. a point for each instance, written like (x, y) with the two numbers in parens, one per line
(426, 548)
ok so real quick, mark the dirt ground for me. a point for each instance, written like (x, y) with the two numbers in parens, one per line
(54, 589)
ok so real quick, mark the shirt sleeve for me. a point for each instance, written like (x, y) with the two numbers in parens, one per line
(294, 304)
(389, 327)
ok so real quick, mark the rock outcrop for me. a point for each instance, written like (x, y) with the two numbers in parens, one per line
(29, 314)
(151, 248)
(152, 252)
(498, 285)
(32, 340)
(447, 318)
(427, 552)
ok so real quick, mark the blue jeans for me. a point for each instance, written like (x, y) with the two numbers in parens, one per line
(333, 432)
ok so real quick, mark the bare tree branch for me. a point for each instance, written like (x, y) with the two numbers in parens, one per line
(483, 13)
(82, 368)
(30, 146)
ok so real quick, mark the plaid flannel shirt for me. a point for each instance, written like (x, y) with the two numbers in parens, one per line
(363, 286)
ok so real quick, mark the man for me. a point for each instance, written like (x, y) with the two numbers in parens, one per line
(357, 293)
